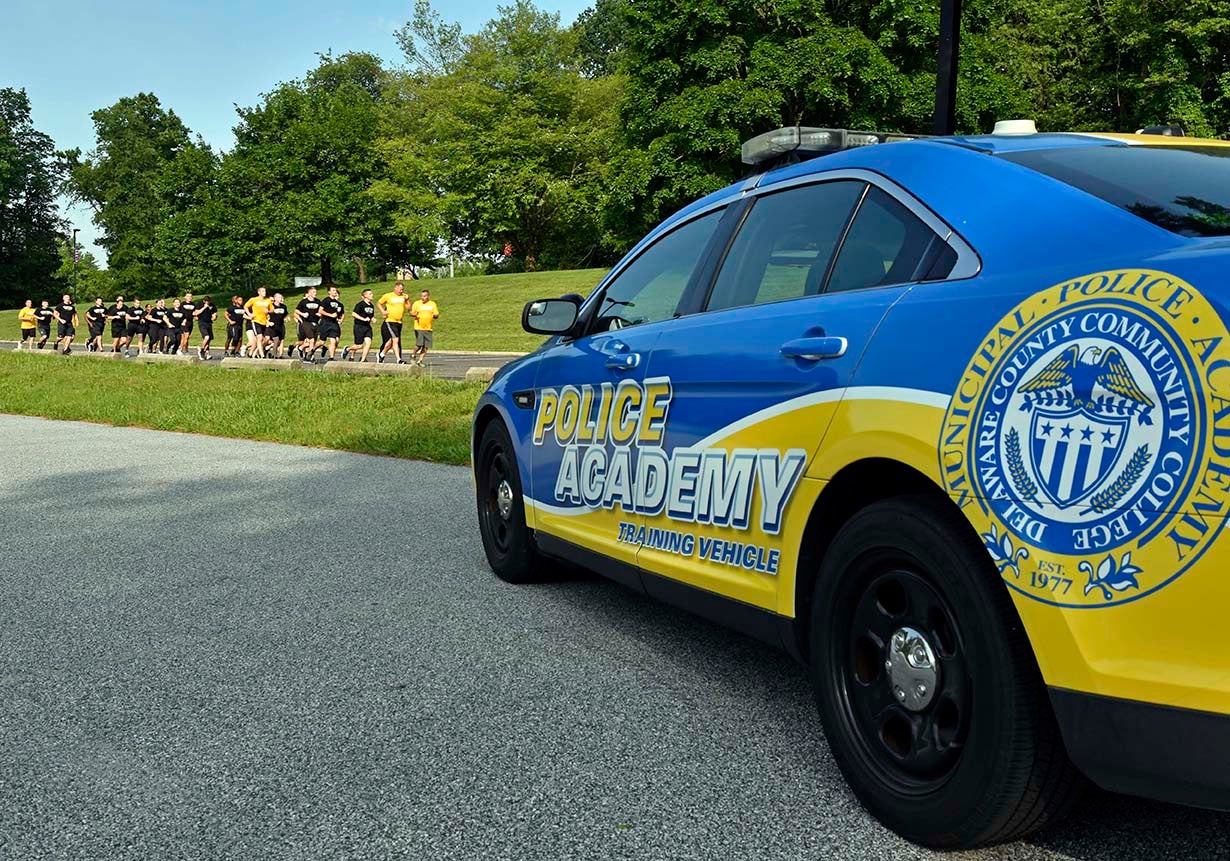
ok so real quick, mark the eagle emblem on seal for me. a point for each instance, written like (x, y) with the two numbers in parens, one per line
(1082, 405)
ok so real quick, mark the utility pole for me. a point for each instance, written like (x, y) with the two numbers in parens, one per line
(76, 230)
(946, 68)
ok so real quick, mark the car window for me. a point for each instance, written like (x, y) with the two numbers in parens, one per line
(783, 249)
(886, 244)
(650, 288)
(1185, 189)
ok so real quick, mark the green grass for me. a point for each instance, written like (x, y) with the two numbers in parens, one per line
(478, 313)
(419, 418)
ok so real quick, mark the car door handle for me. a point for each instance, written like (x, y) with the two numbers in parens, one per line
(814, 349)
(623, 361)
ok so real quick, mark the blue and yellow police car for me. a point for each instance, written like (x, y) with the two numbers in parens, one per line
(949, 420)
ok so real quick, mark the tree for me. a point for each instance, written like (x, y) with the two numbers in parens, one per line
(509, 148)
(302, 165)
(704, 75)
(29, 223)
(91, 280)
(122, 180)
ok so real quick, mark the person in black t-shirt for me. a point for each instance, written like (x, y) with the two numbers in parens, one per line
(307, 315)
(177, 322)
(234, 327)
(332, 312)
(66, 314)
(95, 321)
(137, 325)
(275, 332)
(118, 315)
(362, 314)
(205, 315)
(43, 316)
(188, 306)
(156, 326)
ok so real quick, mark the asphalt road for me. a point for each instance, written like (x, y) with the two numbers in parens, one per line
(383, 694)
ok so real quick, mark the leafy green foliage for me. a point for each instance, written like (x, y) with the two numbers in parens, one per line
(121, 179)
(507, 148)
(29, 224)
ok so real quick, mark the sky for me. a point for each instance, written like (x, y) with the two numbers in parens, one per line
(200, 58)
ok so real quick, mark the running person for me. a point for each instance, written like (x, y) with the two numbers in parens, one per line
(43, 316)
(156, 326)
(66, 316)
(118, 315)
(27, 319)
(332, 312)
(136, 327)
(275, 332)
(256, 311)
(425, 312)
(185, 333)
(177, 324)
(234, 327)
(307, 315)
(362, 314)
(392, 308)
(205, 315)
(96, 322)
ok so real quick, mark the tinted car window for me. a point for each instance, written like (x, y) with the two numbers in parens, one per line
(1184, 189)
(650, 288)
(783, 249)
(886, 244)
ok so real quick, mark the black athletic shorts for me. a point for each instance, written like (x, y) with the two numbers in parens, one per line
(118, 329)
(234, 331)
(207, 329)
(44, 331)
(275, 331)
(307, 331)
(27, 334)
(65, 330)
(96, 330)
(330, 329)
(390, 332)
(362, 331)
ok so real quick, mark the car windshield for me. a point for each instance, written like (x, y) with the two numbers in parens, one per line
(1184, 189)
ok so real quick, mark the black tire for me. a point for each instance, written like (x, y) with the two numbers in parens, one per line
(981, 761)
(507, 541)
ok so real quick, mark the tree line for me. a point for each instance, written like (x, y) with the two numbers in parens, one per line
(532, 144)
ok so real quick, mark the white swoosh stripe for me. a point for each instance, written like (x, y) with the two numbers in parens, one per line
(854, 393)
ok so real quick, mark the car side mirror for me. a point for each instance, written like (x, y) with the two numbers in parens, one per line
(550, 316)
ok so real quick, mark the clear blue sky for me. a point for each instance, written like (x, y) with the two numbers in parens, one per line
(200, 58)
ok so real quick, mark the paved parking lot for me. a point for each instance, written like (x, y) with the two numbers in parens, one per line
(212, 648)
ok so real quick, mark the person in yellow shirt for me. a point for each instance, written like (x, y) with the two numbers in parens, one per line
(424, 311)
(26, 318)
(256, 312)
(392, 308)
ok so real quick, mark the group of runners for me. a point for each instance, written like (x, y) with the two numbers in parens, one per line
(255, 328)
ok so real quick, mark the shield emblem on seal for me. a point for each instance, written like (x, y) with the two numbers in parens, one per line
(1075, 451)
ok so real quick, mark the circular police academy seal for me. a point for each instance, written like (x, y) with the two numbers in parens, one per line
(1089, 438)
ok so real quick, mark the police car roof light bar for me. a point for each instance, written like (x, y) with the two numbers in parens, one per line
(796, 143)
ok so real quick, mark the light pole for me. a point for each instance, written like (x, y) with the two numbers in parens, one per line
(76, 230)
(946, 68)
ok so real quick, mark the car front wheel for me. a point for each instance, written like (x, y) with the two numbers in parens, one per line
(929, 694)
(507, 541)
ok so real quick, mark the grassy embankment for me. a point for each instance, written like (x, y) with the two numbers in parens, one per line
(403, 417)
(480, 313)
(420, 418)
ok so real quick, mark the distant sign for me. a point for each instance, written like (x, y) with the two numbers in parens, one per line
(302, 282)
